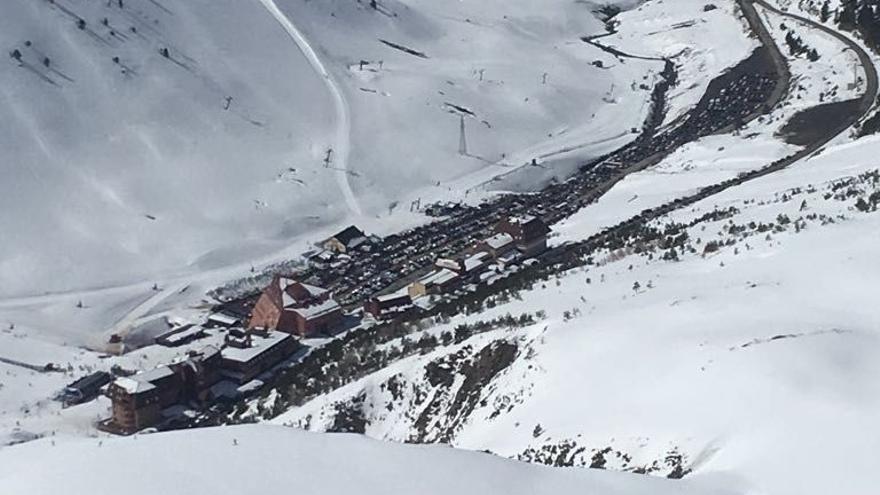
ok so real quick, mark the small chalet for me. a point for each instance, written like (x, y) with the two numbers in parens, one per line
(498, 245)
(322, 260)
(388, 306)
(346, 240)
(222, 319)
(474, 262)
(247, 354)
(294, 307)
(528, 232)
(436, 282)
(466, 265)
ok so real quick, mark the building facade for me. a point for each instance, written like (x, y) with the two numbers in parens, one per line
(345, 240)
(388, 306)
(138, 400)
(293, 307)
(248, 354)
(529, 233)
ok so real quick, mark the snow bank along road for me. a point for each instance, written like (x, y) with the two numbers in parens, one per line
(342, 147)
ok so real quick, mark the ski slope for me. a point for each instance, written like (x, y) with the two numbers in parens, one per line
(126, 166)
(189, 194)
(133, 171)
(343, 121)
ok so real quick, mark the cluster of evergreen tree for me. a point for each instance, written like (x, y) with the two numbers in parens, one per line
(859, 15)
(797, 47)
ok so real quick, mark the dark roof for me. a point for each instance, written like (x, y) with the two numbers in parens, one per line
(391, 300)
(96, 379)
(349, 234)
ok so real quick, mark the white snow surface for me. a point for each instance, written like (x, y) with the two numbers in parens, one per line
(187, 195)
(274, 459)
(758, 359)
(113, 178)
(756, 362)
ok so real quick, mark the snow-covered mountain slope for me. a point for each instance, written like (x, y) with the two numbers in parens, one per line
(122, 164)
(736, 335)
(754, 353)
(520, 72)
(267, 459)
(734, 340)
(674, 30)
(188, 195)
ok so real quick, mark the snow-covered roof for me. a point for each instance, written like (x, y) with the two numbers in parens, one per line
(208, 351)
(223, 318)
(154, 374)
(317, 310)
(522, 220)
(313, 290)
(259, 345)
(447, 263)
(133, 386)
(475, 261)
(357, 241)
(438, 277)
(391, 297)
(499, 241)
(184, 335)
(509, 257)
(143, 382)
(288, 299)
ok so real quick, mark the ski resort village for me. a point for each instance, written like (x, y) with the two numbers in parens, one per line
(619, 247)
(251, 339)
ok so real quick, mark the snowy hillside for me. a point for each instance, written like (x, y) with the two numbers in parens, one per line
(755, 353)
(121, 164)
(186, 195)
(267, 459)
(124, 165)
(738, 334)
(705, 310)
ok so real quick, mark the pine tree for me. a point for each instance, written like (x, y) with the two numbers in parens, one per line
(825, 12)
(847, 14)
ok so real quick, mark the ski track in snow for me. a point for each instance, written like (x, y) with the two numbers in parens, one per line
(343, 142)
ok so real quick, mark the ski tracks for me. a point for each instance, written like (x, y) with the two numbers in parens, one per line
(342, 146)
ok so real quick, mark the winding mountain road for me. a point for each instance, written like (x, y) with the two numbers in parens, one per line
(866, 101)
(342, 147)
